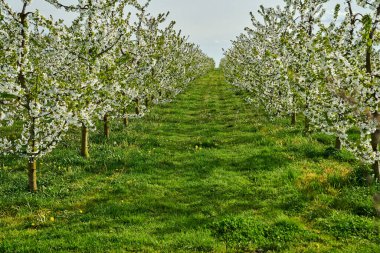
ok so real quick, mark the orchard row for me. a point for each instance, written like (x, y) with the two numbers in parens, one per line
(292, 61)
(103, 65)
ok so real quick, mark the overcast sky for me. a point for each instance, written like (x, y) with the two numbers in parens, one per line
(210, 23)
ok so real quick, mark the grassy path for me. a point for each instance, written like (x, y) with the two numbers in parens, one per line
(191, 168)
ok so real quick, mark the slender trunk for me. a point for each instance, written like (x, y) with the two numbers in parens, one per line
(84, 150)
(375, 140)
(32, 165)
(147, 102)
(152, 99)
(32, 174)
(106, 126)
(368, 65)
(307, 126)
(91, 52)
(126, 121)
(375, 137)
(307, 119)
(338, 143)
(294, 118)
(376, 170)
(137, 109)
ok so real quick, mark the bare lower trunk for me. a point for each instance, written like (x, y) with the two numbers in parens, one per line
(307, 126)
(32, 173)
(126, 121)
(294, 119)
(32, 164)
(152, 99)
(375, 139)
(84, 150)
(137, 109)
(376, 169)
(338, 144)
(106, 126)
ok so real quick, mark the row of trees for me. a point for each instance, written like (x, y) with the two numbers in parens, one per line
(102, 66)
(293, 63)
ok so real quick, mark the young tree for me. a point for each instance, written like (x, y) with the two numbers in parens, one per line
(97, 30)
(32, 99)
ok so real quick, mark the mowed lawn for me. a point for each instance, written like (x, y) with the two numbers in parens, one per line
(207, 172)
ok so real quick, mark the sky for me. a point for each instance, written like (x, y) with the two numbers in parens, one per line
(212, 24)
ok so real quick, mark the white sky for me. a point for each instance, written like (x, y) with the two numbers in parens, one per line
(212, 24)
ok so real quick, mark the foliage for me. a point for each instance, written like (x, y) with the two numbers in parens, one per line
(291, 62)
(54, 76)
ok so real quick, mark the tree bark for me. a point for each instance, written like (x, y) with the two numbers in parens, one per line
(126, 121)
(376, 169)
(151, 99)
(294, 118)
(107, 129)
(338, 144)
(84, 150)
(137, 108)
(307, 126)
(375, 139)
(32, 174)
(32, 165)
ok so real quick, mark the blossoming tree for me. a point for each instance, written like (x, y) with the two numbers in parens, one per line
(32, 99)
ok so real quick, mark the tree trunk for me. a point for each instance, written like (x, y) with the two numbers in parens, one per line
(307, 126)
(137, 109)
(32, 173)
(338, 144)
(84, 150)
(152, 97)
(147, 102)
(106, 126)
(375, 139)
(32, 165)
(126, 121)
(376, 169)
(294, 118)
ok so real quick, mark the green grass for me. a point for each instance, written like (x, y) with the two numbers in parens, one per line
(205, 173)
